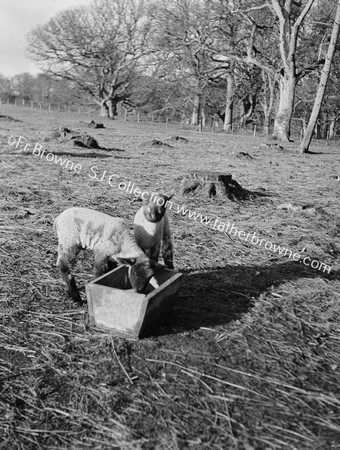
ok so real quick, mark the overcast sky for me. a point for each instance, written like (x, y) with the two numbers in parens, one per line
(17, 18)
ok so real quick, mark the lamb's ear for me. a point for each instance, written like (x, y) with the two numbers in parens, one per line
(145, 198)
(128, 261)
(170, 194)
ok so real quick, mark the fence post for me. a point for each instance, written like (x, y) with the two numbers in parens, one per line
(166, 122)
(59, 107)
(23, 102)
(254, 133)
(138, 118)
(125, 115)
(79, 110)
(31, 104)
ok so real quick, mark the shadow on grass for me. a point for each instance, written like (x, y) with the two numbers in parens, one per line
(217, 296)
(73, 154)
(91, 154)
(315, 153)
(112, 149)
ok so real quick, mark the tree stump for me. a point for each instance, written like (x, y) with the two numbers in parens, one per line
(86, 141)
(214, 184)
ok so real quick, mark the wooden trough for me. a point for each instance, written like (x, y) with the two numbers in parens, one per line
(115, 307)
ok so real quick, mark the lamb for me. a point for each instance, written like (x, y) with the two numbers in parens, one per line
(152, 230)
(109, 238)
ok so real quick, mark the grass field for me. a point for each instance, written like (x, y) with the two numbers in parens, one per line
(250, 357)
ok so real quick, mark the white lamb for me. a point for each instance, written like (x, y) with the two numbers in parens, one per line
(109, 238)
(152, 230)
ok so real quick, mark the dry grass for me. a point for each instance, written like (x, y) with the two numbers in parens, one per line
(249, 359)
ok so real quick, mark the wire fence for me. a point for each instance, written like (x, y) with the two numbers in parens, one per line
(213, 124)
(254, 127)
(55, 107)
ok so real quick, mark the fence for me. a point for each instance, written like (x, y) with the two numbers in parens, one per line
(254, 128)
(90, 110)
(215, 126)
(58, 107)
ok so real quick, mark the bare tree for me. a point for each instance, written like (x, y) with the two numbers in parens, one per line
(186, 44)
(291, 16)
(271, 40)
(304, 146)
(100, 48)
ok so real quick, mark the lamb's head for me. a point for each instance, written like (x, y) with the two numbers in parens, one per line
(141, 270)
(154, 206)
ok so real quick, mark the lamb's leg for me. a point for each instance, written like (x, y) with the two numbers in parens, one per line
(154, 252)
(167, 248)
(65, 260)
(101, 263)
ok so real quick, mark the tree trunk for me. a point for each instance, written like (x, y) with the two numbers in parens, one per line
(267, 103)
(332, 129)
(284, 114)
(304, 146)
(266, 124)
(203, 118)
(104, 110)
(317, 129)
(248, 106)
(112, 108)
(195, 117)
(229, 103)
(324, 126)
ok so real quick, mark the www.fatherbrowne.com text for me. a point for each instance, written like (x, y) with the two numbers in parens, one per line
(131, 188)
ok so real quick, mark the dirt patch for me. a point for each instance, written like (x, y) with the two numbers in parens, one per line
(6, 118)
(155, 143)
(178, 139)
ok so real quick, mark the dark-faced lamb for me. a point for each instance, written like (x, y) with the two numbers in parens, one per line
(109, 238)
(152, 230)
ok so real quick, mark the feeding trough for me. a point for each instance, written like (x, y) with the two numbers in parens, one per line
(115, 307)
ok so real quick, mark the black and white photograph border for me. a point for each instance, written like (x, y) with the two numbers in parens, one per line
(169, 224)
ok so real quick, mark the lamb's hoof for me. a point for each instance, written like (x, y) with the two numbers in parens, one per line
(79, 301)
(76, 298)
